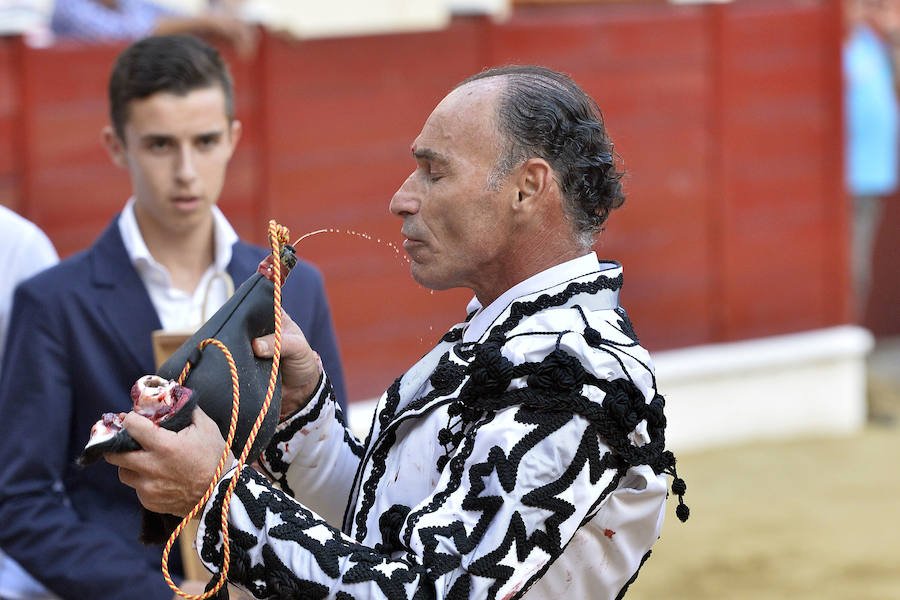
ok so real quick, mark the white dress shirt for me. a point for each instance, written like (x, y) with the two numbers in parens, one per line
(177, 309)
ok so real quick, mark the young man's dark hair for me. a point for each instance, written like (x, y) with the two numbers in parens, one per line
(177, 64)
(543, 113)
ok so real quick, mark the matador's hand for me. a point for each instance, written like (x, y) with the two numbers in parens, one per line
(174, 469)
(300, 365)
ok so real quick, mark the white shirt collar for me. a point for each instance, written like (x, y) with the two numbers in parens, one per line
(572, 269)
(223, 234)
(176, 309)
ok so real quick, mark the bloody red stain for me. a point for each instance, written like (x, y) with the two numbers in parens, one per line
(266, 268)
(609, 533)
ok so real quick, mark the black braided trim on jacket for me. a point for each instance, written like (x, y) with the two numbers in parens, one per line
(453, 336)
(272, 578)
(276, 582)
(555, 385)
(505, 466)
(625, 325)
(457, 467)
(596, 340)
(490, 373)
(349, 439)
(610, 488)
(389, 524)
(378, 460)
(379, 465)
(446, 377)
(391, 403)
(522, 309)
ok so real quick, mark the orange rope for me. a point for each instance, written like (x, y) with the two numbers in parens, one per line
(278, 236)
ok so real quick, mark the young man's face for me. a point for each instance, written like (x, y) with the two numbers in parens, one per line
(458, 228)
(176, 149)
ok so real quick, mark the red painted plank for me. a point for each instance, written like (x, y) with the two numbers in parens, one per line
(10, 192)
(777, 168)
(8, 129)
(9, 77)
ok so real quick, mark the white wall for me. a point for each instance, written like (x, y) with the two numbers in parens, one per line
(777, 387)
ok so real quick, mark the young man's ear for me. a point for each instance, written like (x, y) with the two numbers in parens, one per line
(114, 146)
(236, 129)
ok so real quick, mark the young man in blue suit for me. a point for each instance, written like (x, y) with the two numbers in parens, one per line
(80, 333)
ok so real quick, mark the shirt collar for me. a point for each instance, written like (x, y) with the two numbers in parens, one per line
(224, 238)
(554, 276)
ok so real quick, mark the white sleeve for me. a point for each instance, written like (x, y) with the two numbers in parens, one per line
(313, 455)
(26, 251)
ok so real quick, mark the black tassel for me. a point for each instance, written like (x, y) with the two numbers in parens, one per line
(222, 594)
(679, 488)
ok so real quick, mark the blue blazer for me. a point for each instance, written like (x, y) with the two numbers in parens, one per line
(79, 337)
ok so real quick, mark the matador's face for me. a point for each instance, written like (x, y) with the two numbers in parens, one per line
(456, 219)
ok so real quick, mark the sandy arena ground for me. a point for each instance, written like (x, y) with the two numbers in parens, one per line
(813, 519)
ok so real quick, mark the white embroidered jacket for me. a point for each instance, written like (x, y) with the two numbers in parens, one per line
(522, 457)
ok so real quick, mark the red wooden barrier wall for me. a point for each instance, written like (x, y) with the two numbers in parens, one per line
(727, 118)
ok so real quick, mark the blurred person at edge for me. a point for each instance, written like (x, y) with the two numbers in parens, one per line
(872, 123)
(114, 20)
(524, 455)
(81, 330)
(24, 251)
